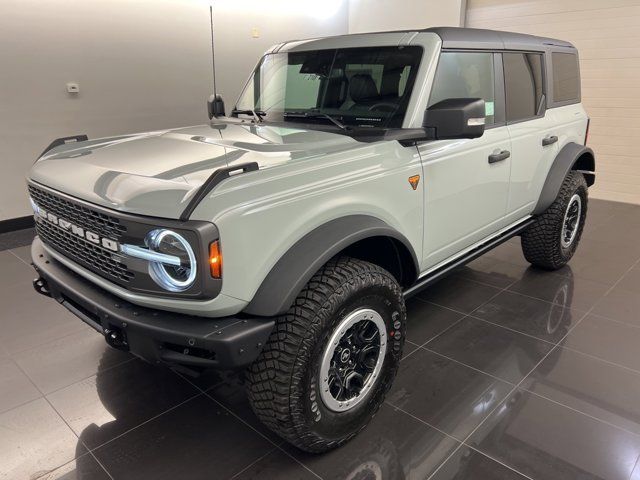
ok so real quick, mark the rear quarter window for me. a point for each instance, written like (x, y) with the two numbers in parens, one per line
(566, 77)
(523, 84)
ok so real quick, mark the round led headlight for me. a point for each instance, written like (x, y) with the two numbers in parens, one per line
(176, 267)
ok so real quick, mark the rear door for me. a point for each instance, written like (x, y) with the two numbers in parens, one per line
(534, 135)
(466, 181)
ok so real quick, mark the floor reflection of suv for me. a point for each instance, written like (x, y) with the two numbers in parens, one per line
(352, 172)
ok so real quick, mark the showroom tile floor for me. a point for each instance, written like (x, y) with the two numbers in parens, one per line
(509, 372)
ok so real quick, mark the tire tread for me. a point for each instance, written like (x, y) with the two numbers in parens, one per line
(273, 380)
(541, 241)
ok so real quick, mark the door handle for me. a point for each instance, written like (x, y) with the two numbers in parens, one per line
(549, 140)
(498, 157)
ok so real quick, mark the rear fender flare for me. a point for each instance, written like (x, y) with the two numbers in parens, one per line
(566, 160)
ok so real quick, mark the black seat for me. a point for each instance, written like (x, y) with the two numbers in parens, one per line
(336, 92)
(365, 94)
(363, 90)
(390, 88)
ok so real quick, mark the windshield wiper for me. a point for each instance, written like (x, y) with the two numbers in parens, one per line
(257, 114)
(335, 121)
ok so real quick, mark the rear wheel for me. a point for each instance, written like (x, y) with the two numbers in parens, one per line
(331, 359)
(553, 238)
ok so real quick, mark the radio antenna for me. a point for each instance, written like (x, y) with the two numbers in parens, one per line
(213, 51)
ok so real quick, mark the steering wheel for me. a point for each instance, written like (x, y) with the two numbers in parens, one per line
(384, 105)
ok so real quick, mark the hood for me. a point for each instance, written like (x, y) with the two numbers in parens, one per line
(157, 173)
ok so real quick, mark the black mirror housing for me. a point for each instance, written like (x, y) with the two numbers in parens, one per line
(455, 118)
(215, 106)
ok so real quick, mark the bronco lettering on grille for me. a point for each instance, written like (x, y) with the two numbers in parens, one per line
(44, 215)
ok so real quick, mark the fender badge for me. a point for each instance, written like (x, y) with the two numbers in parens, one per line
(414, 180)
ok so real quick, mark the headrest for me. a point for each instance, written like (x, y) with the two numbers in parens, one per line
(362, 87)
(390, 83)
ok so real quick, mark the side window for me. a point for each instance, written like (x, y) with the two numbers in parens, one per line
(465, 75)
(523, 85)
(566, 77)
(404, 76)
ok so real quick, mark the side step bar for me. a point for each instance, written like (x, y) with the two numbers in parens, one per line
(446, 269)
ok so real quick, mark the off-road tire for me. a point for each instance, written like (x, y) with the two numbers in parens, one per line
(541, 242)
(283, 383)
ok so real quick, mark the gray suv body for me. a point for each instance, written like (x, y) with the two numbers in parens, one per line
(352, 172)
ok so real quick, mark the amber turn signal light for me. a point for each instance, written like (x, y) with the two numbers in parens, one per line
(414, 180)
(215, 259)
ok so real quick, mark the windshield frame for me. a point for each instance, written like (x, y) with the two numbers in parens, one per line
(320, 116)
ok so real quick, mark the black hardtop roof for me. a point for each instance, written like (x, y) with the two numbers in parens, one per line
(459, 37)
(468, 39)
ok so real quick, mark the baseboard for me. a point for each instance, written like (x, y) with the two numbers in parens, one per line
(13, 224)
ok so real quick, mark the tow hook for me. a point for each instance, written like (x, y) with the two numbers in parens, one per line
(116, 339)
(42, 287)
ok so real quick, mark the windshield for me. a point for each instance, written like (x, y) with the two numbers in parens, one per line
(367, 87)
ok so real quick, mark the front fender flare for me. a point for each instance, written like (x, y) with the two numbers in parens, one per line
(296, 267)
(562, 164)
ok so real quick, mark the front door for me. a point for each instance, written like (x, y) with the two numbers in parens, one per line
(466, 181)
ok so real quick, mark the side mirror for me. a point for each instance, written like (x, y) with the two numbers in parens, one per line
(215, 106)
(455, 118)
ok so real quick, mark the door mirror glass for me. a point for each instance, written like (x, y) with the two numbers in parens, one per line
(215, 106)
(455, 118)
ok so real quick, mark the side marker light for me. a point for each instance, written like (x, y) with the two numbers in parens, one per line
(215, 260)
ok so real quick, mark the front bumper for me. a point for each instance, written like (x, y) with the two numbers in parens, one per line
(154, 335)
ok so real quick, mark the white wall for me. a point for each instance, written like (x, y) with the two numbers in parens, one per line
(383, 15)
(141, 65)
(275, 21)
(606, 35)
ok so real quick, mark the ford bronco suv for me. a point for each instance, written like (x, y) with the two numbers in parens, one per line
(284, 237)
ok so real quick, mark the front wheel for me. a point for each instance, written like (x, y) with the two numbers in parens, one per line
(331, 359)
(553, 238)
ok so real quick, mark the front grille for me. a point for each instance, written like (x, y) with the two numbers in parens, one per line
(89, 255)
(100, 223)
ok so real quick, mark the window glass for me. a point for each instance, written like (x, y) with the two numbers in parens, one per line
(566, 77)
(302, 89)
(465, 75)
(280, 80)
(523, 85)
(373, 70)
(357, 86)
(404, 77)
